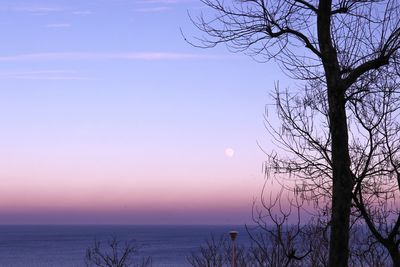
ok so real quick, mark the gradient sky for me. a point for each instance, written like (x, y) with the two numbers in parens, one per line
(108, 116)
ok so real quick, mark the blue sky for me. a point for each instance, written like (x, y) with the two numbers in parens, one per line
(106, 109)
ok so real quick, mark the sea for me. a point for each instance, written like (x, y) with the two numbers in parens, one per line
(66, 245)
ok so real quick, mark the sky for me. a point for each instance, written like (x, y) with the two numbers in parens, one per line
(108, 116)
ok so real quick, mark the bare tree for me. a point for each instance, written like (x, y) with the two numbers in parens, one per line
(377, 150)
(365, 250)
(374, 148)
(336, 43)
(282, 237)
(278, 238)
(217, 253)
(115, 254)
(212, 254)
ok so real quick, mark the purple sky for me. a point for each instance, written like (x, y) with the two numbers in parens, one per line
(109, 116)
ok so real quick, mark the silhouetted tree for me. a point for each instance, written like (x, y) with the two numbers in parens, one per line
(376, 159)
(212, 254)
(115, 254)
(373, 144)
(282, 237)
(218, 253)
(279, 235)
(336, 44)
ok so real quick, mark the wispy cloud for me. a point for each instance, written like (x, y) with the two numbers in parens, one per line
(77, 56)
(156, 5)
(165, 2)
(37, 9)
(43, 75)
(82, 12)
(153, 9)
(157, 1)
(58, 25)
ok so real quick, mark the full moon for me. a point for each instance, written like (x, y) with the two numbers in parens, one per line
(229, 152)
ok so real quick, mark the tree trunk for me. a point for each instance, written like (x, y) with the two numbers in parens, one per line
(341, 173)
(342, 181)
(394, 255)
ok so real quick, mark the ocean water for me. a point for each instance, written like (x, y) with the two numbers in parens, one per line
(65, 246)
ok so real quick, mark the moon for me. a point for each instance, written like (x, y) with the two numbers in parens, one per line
(229, 152)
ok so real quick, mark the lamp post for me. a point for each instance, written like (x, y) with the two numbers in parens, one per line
(233, 235)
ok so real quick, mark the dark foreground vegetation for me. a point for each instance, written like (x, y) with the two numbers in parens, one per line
(308, 248)
(115, 253)
(279, 245)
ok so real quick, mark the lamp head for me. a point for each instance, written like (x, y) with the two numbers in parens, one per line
(233, 235)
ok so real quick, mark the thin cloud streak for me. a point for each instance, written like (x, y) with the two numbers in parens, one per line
(43, 75)
(153, 9)
(158, 5)
(58, 25)
(157, 2)
(77, 56)
(164, 2)
(37, 9)
(82, 13)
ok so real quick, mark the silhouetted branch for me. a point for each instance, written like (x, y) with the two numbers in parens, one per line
(115, 254)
